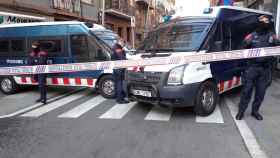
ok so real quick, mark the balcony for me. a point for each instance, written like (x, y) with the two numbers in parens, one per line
(142, 2)
(150, 3)
(69, 6)
(119, 8)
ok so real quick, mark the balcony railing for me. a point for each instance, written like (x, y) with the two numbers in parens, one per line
(72, 6)
(120, 6)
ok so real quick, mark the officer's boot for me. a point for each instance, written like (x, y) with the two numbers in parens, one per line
(257, 116)
(239, 115)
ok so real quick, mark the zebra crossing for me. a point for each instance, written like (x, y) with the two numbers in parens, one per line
(116, 112)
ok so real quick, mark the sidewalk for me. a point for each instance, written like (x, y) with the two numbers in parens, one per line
(266, 131)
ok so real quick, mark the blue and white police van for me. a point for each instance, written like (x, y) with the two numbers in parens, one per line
(194, 84)
(65, 42)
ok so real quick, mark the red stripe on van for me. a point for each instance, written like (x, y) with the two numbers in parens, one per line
(54, 81)
(33, 80)
(23, 80)
(66, 81)
(78, 81)
(90, 82)
(230, 84)
(237, 81)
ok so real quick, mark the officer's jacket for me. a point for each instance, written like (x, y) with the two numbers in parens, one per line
(39, 58)
(259, 40)
(118, 73)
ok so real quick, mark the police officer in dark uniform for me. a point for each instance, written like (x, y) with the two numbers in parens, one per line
(119, 54)
(39, 57)
(258, 69)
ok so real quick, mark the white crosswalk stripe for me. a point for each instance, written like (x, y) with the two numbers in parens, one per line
(54, 105)
(159, 114)
(215, 117)
(83, 108)
(118, 111)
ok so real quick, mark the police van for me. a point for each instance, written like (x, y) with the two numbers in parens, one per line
(194, 84)
(65, 42)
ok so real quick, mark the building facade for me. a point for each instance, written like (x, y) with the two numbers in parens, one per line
(118, 15)
(146, 14)
(54, 10)
(130, 19)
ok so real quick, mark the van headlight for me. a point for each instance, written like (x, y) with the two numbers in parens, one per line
(176, 76)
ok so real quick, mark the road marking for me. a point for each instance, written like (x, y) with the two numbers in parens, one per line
(118, 111)
(159, 114)
(246, 133)
(215, 117)
(54, 105)
(83, 108)
(38, 105)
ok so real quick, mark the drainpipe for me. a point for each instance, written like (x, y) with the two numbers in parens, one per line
(277, 28)
(278, 19)
(146, 20)
(103, 12)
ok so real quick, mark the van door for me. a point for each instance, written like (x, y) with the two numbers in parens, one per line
(221, 41)
(86, 49)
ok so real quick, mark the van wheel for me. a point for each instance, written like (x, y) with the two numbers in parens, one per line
(206, 99)
(106, 86)
(8, 85)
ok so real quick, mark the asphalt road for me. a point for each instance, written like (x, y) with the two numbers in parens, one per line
(85, 125)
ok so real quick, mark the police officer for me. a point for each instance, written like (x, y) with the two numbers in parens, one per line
(258, 69)
(119, 54)
(39, 57)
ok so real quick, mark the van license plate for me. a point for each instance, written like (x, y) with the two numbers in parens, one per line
(142, 93)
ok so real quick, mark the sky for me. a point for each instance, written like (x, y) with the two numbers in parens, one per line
(191, 7)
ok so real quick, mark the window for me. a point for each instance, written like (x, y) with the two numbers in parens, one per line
(4, 46)
(179, 38)
(88, 1)
(51, 46)
(79, 47)
(120, 31)
(17, 45)
(128, 32)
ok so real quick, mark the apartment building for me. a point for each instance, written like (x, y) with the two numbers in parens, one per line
(54, 10)
(130, 19)
(145, 13)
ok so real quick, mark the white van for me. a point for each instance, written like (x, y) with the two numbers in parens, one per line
(195, 84)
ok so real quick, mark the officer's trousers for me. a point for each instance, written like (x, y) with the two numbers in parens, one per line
(120, 94)
(42, 86)
(254, 77)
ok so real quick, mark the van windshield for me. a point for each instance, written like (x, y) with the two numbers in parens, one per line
(178, 38)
